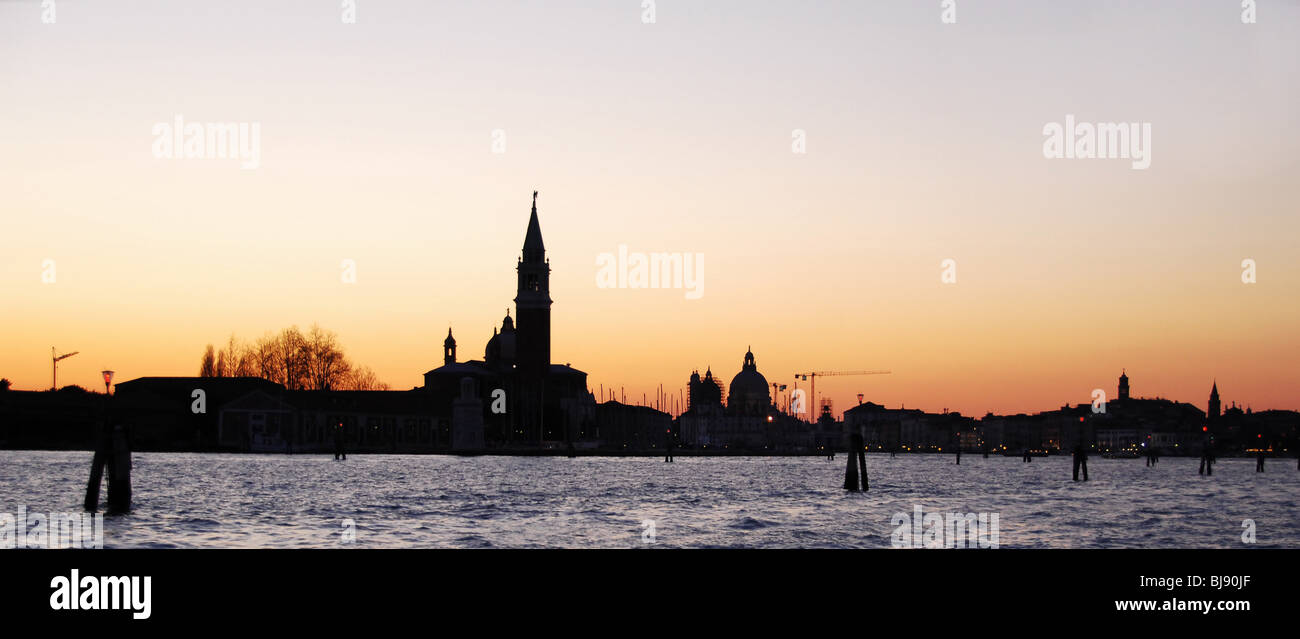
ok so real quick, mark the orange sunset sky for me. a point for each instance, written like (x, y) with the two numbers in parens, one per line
(923, 143)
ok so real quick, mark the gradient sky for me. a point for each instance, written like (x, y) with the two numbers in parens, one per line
(924, 143)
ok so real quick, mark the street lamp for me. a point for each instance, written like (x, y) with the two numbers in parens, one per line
(108, 379)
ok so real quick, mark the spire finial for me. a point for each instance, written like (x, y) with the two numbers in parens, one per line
(534, 200)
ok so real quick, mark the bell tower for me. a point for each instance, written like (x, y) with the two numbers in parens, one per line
(533, 330)
(533, 301)
(449, 349)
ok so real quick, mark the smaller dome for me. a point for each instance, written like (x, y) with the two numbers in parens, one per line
(493, 349)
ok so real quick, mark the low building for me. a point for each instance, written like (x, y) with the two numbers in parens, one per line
(312, 421)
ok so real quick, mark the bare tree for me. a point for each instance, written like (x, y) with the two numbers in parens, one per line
(327, 368)
(313, 361)
(363, 378)
(266, 356)
(208, 368)
(293, 355)
(239, 359)
(246, 366)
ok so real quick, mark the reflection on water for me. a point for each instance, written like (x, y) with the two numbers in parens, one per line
(196, 500)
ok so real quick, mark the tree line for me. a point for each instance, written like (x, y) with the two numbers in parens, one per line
(299, 361)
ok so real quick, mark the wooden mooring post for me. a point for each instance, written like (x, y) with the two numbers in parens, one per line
(1080, 461)
(1207, 461)
(340, 453)
(857, 462)
(112, 451)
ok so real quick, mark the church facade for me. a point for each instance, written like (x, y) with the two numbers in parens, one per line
(526, 399)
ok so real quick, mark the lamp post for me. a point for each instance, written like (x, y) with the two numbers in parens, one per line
(108, 380)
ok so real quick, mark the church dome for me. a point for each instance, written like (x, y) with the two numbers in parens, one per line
(493, 350)
(749, 392)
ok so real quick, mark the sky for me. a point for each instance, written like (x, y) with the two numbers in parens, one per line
(922, 141)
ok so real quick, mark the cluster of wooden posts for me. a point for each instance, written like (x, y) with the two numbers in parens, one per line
(857, 464)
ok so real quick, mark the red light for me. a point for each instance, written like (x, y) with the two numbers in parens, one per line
(1080, 419)
(1205, 429)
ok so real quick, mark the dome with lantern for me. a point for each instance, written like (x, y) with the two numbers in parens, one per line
(749, 392)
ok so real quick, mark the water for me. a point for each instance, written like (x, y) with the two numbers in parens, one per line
(242, 501)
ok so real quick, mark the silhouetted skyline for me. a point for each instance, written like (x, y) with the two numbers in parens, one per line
(824, 160)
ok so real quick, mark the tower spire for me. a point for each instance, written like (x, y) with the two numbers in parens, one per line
(534, 248)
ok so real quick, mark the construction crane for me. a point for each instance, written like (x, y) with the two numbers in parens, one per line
(777, 389)
(815, 374)
(56, 358)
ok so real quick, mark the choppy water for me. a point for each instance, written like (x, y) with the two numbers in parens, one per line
(205, 500)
